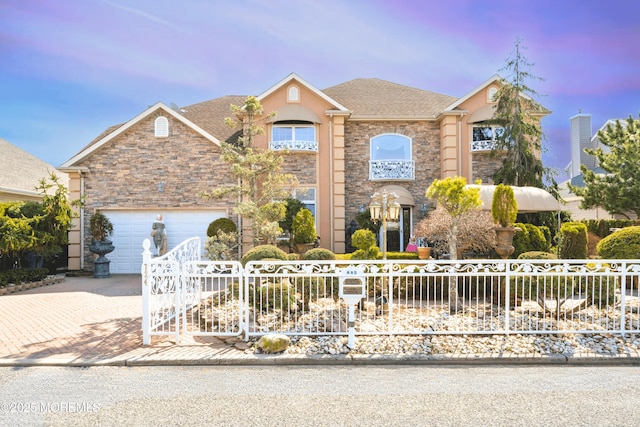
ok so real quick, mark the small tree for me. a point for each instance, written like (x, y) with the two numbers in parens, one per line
(262, 185)
(475, 231)
(617, 189)
(303, 227)
(457, 200)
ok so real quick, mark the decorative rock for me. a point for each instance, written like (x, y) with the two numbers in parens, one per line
(273, 343)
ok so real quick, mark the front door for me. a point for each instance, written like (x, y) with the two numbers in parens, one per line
(398, 234)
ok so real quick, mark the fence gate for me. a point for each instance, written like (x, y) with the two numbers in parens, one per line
(213, 295)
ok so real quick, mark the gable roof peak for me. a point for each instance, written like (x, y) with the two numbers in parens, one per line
(294, 76)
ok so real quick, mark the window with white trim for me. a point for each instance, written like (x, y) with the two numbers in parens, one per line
(290, 136)
(485, 137)
(161, 127)
(390, 146)
(391, 157)
(308, 198)
(293, 94)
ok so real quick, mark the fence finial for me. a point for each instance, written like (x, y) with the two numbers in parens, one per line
(146, 254)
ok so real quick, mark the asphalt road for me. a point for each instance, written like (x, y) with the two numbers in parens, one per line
(321, 396)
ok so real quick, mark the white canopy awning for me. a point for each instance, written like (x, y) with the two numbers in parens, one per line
(529, 199)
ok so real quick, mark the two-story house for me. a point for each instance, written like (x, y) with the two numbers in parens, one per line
(344, 143)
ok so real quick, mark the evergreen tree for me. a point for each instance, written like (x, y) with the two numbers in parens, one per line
(520, 142)
(262, 187)
(617, 188)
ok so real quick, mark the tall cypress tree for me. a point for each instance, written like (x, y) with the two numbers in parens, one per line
(518, 114)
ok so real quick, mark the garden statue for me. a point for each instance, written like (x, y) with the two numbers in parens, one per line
(159, 235)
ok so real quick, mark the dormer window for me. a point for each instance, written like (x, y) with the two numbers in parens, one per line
(161, 127)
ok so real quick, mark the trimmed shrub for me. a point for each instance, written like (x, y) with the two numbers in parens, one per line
(573, 241)
(504, 208)
(529, 238)
(537, 255)
(623, 244)
(276, 296)
(264, 252)
(303, 227)
(402, 255)
(23, 275)
(319, 254)
(365, 241)
(521, 240)
(602, 227)
(225, 225)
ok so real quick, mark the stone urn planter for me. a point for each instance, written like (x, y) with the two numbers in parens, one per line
(504, 241)
(101, 229)
(101, 264)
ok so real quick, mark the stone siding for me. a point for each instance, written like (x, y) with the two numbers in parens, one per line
(125, 173)
(302, 165)
(425, 137)
(484, 166)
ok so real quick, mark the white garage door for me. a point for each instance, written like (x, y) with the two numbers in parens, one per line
(130, 228)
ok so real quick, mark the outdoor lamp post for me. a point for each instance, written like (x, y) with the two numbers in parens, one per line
(384, 208)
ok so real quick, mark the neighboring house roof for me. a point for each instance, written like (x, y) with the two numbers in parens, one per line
(21, 173)
(114, 131)
(375, 99)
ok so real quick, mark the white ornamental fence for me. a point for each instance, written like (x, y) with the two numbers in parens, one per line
(186, 295)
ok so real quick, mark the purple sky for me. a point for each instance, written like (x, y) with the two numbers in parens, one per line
(69, 69)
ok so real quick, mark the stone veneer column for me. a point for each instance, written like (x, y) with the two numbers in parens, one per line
(449, 148)
(339, 221)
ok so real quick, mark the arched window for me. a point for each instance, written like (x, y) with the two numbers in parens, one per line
(390, 146)
(391, 158)
(162, 127)
(293, 94)
(491, 94)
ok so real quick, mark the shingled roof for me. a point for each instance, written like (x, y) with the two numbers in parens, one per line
(21, 172)
(380, 99)
(210, 115)
(365, 98)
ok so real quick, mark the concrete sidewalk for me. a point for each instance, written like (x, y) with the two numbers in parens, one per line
(83, 321)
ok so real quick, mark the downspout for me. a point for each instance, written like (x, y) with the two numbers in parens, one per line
(241, 233)
(460, 145)
(82, 239)
(331, 207)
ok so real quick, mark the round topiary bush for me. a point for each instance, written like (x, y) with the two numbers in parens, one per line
(264, 252)
(319, 254)
(225, 225)
(537, 255)
(275, 296)
(622, 244)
